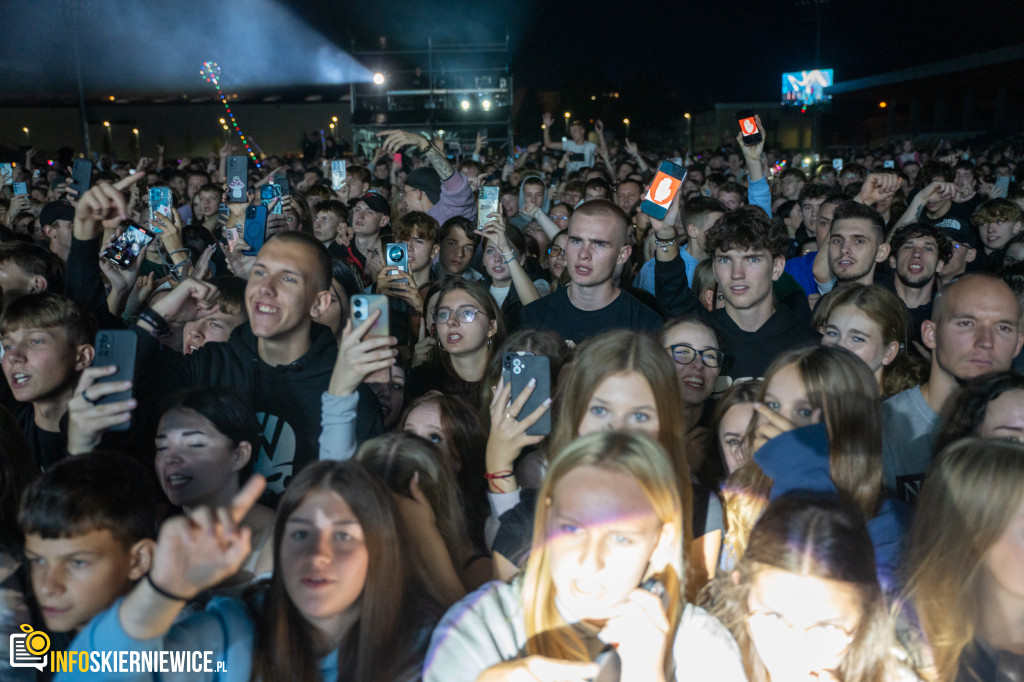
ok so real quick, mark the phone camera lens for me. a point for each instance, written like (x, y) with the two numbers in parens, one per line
(358, 314)
(395, 254)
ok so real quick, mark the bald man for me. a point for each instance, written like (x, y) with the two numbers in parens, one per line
(975, 328)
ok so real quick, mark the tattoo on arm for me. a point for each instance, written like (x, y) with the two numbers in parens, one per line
(439, 162)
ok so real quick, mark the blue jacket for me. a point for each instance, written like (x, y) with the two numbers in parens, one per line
(799, 460)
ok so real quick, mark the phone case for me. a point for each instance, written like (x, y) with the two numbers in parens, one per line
(6, 173)
(337, 174)
(255, 230)
(663, 189)
(81, 176)
(282, 180)
(363, 306)
(159, 201)
(116, 347)
(522, 368)
(20, 189)
(267, 194)
(486, 204)
(238, 177)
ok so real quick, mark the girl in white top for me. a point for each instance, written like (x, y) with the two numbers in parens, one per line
(609, 520)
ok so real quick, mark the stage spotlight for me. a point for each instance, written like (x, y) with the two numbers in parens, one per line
(486, 104)
(378, 78)
(464, 104)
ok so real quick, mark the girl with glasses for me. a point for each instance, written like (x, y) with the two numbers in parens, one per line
(469, 326)
(804, 603)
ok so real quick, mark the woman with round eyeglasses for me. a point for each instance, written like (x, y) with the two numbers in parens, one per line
(557, 260)
(804, 602)
(469, 326)
(697, 359)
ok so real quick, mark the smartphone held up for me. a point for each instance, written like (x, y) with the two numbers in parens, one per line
(748, 127)
(663, 189)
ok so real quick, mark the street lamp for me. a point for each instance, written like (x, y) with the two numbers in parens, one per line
(689, 133)
(626, 121)
(27, 140)
(567, 117)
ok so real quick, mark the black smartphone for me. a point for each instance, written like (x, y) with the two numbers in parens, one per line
(116, 347)
(282, 180)
(126, 248)
(748, 126)
(577, 156)
(255, 230)
(81, 176)
(521, 369)
(238, 179)
(396, 257)
(20, 189)
(363, 306)
(663, 188)
(608, 659)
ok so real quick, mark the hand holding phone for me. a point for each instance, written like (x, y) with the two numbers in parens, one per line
(748, 127)
(128, 246)
(663, 189)
(115, 347)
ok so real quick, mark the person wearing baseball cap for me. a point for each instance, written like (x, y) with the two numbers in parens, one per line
(438, 191)
(370, 213)
(56, 220)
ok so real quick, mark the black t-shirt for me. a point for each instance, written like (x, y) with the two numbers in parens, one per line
(47, 447)
(557, 313)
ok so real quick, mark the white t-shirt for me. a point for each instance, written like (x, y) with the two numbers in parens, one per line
(487, 627)
(587, 149)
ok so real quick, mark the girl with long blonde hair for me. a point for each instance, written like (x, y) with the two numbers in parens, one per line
(604, 581)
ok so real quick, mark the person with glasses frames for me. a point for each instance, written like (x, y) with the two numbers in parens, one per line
(469, 328)
(556, 261)
(804, 601)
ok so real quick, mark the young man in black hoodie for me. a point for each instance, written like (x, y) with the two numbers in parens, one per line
(280, 359)
(748, 253)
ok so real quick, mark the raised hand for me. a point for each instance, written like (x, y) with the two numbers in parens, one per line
(508, 435)
(548, 119)
(397, 140)
(359, 357)
(878, 187)
(204, 548)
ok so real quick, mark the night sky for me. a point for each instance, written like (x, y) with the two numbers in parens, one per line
(723, 51)
(663, 57)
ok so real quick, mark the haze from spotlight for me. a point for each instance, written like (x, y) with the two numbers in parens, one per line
(138, 46)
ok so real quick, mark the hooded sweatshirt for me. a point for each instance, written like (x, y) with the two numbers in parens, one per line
(799, 460)
(521, 220)
(286, 398)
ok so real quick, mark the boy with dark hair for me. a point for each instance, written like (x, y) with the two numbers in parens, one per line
(418, 231)
(732, 195)
(47, 341)
(89, 525)
(918, 252)
(748, 253)
(329, 221)
(457, 242)
(28, 269)
(217, 327)
(811, 197)
(856, 243)
(699, 214)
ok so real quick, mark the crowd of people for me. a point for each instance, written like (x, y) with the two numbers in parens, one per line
(774, 435)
